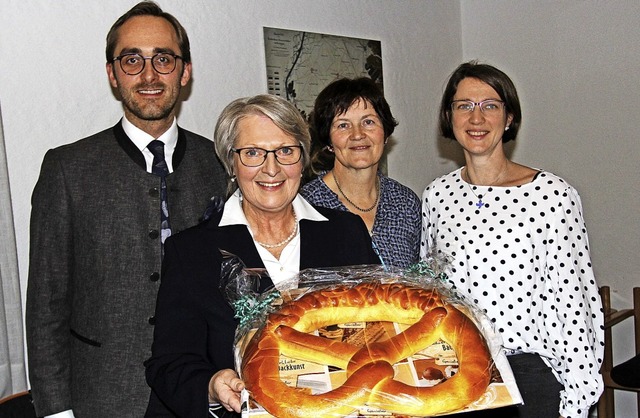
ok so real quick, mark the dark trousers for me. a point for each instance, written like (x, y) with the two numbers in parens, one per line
(539, 388)
(18, 406)
(157, 409)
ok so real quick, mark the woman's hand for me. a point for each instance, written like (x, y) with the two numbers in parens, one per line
(224, 388)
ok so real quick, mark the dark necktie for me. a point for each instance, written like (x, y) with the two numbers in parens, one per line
(159, 168)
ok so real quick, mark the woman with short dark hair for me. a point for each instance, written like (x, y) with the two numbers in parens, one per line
(519, 249)
(351, 124)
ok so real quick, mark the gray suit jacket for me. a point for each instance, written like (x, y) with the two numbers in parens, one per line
(95, 258)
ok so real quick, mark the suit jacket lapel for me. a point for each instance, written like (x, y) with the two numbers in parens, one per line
(179, 151)
(136, 155)
(128, 146)
(311, 254)
(236, 240)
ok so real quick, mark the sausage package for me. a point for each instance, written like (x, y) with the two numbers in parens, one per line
(364, 341)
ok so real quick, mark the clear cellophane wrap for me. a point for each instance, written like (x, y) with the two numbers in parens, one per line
(364, 341)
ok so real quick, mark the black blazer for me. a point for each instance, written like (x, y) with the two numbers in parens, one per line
(195, 327)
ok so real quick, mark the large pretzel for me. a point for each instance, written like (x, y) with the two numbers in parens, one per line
(370, 368)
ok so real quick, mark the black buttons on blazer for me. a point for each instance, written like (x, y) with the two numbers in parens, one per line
(153, 234)
(155, 276)
(152, 320)
(154, 192)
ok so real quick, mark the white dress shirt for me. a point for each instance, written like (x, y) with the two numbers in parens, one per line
(141, 139)
(288, 265)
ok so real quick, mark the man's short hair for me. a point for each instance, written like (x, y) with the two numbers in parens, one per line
(148, 8)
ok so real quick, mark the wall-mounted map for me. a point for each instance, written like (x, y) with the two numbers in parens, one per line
(300, 64)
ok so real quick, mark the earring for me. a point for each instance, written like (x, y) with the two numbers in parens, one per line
(329, 148)
(233, 179)
(506, 128)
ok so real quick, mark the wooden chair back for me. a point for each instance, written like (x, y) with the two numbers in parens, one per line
(612, 317)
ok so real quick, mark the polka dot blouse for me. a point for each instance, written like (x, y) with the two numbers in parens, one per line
(523, 257)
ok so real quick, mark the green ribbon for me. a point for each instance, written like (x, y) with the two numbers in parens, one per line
(424, 268)
(249, 306)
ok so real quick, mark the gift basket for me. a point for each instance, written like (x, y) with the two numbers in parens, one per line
(364, 341)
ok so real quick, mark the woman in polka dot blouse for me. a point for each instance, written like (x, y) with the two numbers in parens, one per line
(519, 249)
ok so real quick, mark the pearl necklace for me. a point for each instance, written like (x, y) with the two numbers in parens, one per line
(286, 240)
(353, 204)
(472, 187)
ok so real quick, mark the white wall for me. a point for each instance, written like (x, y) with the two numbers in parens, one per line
(575, 64)
(54, 89)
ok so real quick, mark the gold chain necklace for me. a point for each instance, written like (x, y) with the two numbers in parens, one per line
(286, 240)
(472, 187)
(353, 204)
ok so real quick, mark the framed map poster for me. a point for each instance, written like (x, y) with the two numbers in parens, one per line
(300, 64)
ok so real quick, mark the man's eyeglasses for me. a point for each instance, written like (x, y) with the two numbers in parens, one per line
(254, 157)
(133, 64)
(488, 107)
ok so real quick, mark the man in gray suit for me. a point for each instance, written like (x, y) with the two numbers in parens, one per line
(97, 228)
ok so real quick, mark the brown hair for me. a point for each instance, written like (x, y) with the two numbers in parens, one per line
(495, 78)
(149, 8)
